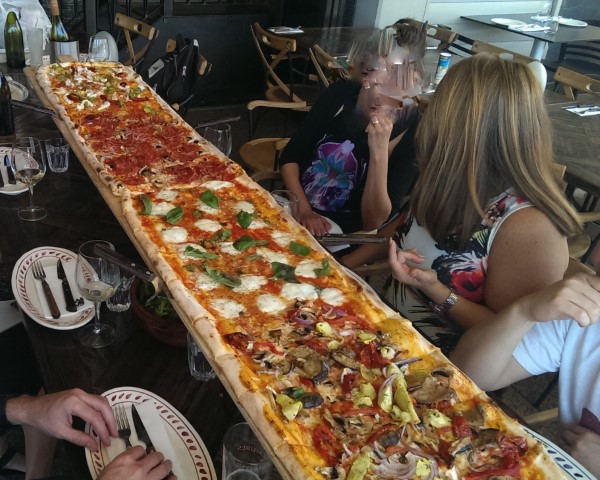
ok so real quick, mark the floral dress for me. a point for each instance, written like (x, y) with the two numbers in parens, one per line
(464, 271)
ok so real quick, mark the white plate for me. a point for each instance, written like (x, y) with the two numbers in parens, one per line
(8, 188)
(509, 22)
(18, 91)
(113, 51)
(571, 22)
(28, 296)
(572, 468)
(185, 440)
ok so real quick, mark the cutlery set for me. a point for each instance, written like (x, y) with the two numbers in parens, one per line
(124, 429)
(71, 304)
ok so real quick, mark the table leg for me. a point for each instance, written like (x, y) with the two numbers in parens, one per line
(537, 49)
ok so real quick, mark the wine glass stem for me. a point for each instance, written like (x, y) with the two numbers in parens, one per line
(97, 320)
(31, 205)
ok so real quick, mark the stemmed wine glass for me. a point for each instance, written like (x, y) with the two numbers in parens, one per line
(220, 137)
(97, 280)
(28, 164)
(98, 49)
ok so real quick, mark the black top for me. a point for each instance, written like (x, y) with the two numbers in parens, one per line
(332, 151)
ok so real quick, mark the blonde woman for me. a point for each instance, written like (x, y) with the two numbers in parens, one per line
(488, 222)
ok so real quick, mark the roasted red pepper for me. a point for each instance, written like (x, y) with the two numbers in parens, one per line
(326, 444)
(460, 427)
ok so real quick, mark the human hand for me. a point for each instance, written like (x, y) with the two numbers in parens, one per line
(134, 464)
(583, 445)
(316, 224)
(415, 277)
(379, 131)
(577, 297)
(53, 414)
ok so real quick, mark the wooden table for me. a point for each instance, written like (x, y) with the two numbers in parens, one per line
(563, 35)
(77, 213)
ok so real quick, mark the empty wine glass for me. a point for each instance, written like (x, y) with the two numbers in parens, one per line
(97, 280)
(220, 137)
(98, 49)
(28, 165)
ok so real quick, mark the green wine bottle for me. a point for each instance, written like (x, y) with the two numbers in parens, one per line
(58, 32)
(13, 42)
(7, 120)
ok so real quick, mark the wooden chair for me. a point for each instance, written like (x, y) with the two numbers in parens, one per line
(574, 83)
(461, 46)
(261, 155)
(444, 36)
(138, 28)
(582, 57)
(479, 47)
(327, 67)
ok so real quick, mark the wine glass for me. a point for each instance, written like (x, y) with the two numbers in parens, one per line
(98, 49)
(220, 137)
(28, 165)
(97, 279)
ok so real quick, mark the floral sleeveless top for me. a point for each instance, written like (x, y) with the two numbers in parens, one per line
(464, 271)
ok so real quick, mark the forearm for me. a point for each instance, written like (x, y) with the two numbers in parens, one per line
(291, 177)
(484, 352)
(375, 204)
(16, 410)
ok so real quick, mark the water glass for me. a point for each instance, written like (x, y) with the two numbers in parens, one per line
(220, 136)
(243, 475)
(551, 24)
(242, 451)
(288, 201)
(121, 300)
(544, 10)
(98, 49)
(35, 42)
(199, 366)
(57, 150)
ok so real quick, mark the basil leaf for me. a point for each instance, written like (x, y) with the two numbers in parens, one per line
(222, 277)
(210, 199)
(299, 249)
(221, 235)
(285, 272)
(244, 219)
(245, 242)
(326, 270)
(147, 204)
(195, 253)
(174, 215)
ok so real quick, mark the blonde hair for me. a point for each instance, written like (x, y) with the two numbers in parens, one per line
(485, 130)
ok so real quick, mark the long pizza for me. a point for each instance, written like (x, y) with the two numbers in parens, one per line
(337, 384)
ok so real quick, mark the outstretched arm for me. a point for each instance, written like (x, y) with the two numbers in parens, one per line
(485, 351)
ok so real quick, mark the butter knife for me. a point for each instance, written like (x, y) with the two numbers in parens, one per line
(141, 431)
(69, 300)
(9, 172)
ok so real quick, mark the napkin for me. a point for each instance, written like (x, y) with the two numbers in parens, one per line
(55, 286)
(286, 30)
(584, 111)
(335, 228)
(528, 28)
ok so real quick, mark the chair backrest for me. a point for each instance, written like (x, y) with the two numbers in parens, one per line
(583, 57)
(575, 83)
(272, 50)
(131, 26)
(480, 47)
(461, 46)
(327, 67)
(445, 36)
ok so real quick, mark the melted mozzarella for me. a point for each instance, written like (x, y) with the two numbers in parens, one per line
(243, 206)
(217, 184)
(227, 308)
(272, 256)
(270, 303)
(174, 235)
(228, 248)
(168, 195)
(332, 296)
(300, 291)
(162, 208)
(306, 268)
(204, 282)
(257, 223)
(104, 106)
(250, 283)
(208, 225)
(203, 207)
(282, 239)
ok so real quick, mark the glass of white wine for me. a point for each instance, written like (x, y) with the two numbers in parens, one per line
(97, 279)
(28, 164)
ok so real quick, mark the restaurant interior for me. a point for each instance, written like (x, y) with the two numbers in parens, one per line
(228, 86)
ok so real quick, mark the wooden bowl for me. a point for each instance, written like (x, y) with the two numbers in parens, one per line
(169, 331)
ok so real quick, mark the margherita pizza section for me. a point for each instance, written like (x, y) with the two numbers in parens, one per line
(338, 385)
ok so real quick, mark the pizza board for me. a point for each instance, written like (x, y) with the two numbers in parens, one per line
(114, 203)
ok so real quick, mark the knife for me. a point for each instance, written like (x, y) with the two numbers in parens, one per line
(123, 262)
(9, 172)
(69, 300)
(141, 431)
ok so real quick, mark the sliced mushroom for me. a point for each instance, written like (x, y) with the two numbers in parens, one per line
(311, 400)
(310, 364)
(346, 357)
(433, 391)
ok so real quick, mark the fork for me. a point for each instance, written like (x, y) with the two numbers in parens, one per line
(123, 428)
(40, 274)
